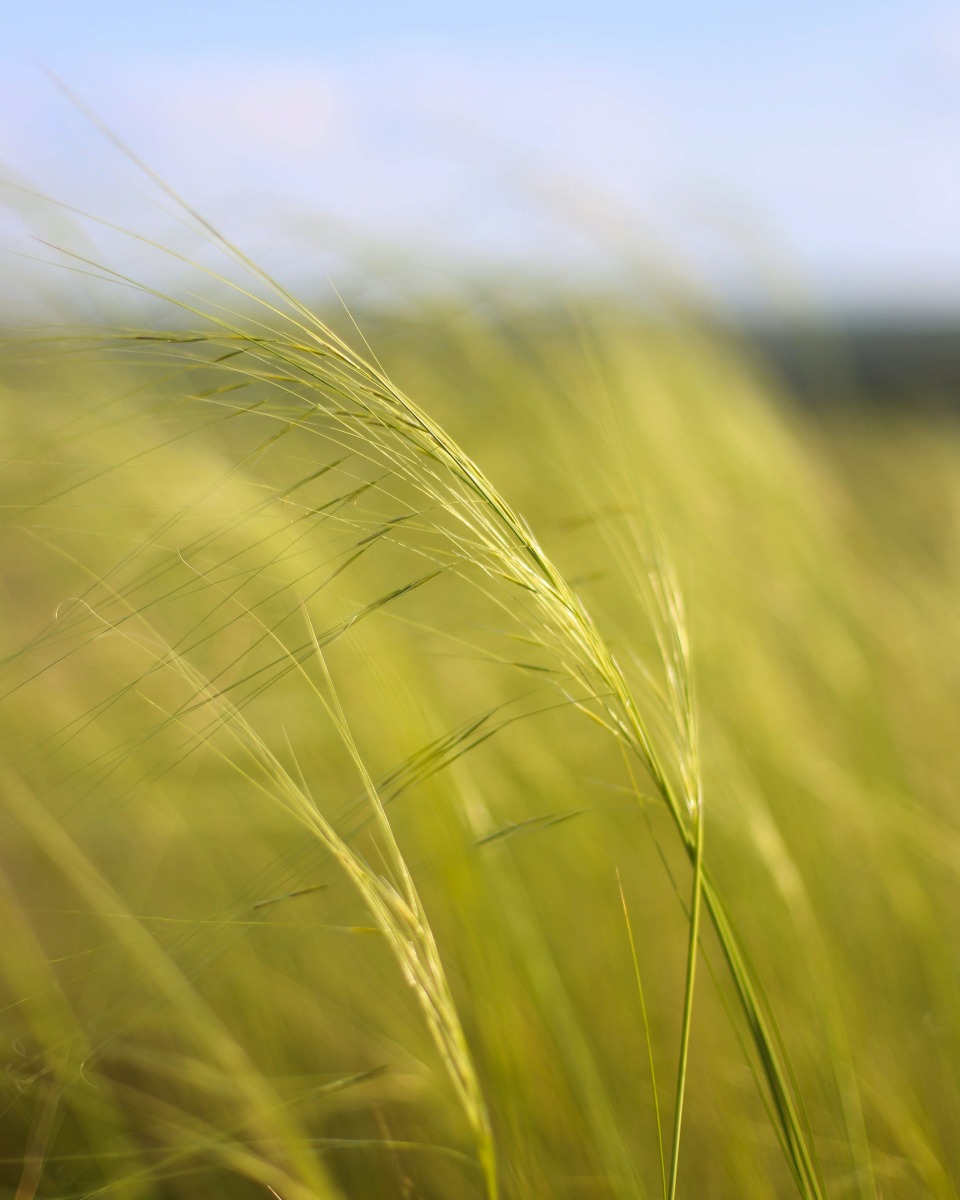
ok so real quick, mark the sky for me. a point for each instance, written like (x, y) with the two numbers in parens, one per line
(765, 154)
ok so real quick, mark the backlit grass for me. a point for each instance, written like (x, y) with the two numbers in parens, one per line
(537, 780)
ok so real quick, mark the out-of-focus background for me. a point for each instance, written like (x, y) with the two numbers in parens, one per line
(790, 166)
(778, 157)
(316, 878)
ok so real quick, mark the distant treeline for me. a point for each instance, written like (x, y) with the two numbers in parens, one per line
(893, 363)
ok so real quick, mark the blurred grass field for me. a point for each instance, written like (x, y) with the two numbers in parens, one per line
(319, 880)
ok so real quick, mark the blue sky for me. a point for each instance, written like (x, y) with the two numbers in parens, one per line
(803, 154)
(294, 25)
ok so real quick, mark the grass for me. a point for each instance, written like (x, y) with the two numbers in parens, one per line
(357, 824)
